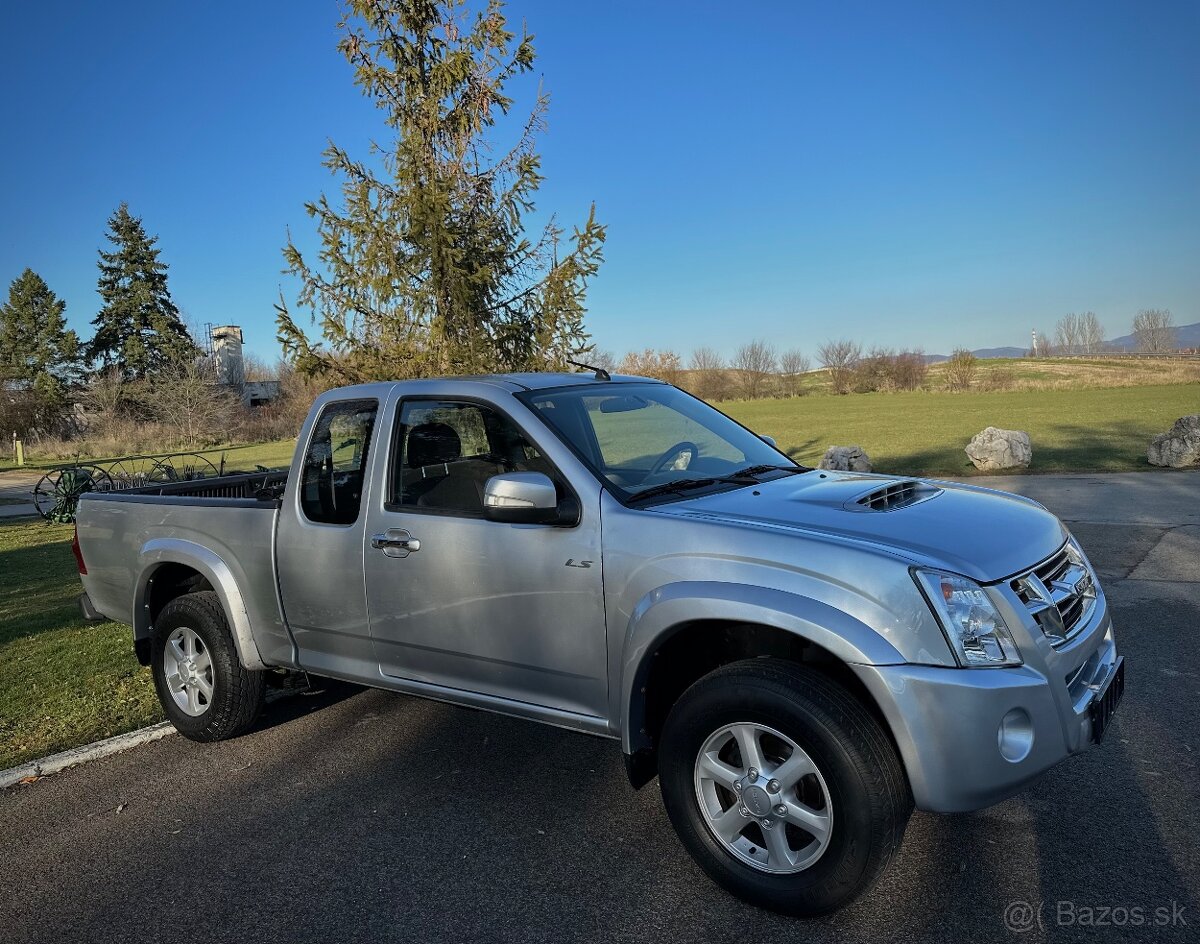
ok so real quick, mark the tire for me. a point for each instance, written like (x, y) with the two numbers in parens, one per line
(858, 795)
(196, 623)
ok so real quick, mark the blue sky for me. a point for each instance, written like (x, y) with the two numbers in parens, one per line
(933, 175)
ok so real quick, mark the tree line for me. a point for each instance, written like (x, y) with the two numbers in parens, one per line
(138, 340)
(757, 370)
(1153, 332)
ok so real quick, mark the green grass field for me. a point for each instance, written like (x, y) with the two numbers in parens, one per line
(63, 682)
(1082, 430)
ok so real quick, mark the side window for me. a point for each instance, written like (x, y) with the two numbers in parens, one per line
(445, 452)
(336, 462)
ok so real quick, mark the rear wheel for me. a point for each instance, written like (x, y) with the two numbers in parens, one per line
(203, 688)
(784, 788)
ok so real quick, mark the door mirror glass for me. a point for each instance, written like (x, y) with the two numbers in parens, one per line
(520, 498)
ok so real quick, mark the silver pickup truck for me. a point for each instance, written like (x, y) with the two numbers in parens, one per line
(799, 655)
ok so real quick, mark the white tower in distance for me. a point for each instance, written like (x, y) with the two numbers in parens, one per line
(227, 355)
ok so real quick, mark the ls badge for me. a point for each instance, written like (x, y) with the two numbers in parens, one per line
(572, 562)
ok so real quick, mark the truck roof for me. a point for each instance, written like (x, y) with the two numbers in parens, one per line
(514, 382)
(540, 381)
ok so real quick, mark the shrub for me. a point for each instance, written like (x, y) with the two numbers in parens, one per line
(960, 369)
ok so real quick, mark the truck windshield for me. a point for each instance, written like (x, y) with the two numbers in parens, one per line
(653, 439)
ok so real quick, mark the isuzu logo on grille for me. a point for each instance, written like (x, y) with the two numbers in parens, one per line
(1081, 586)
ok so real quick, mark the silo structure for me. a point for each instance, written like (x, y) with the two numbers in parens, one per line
(227, 355)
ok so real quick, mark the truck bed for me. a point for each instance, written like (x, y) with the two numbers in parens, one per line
(256, 487)
(222, 527)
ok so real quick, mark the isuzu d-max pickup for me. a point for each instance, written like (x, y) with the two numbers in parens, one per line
(798, 655)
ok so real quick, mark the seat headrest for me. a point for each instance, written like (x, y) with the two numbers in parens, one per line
(432, 444)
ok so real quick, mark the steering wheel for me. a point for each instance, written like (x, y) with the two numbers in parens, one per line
(672, 455)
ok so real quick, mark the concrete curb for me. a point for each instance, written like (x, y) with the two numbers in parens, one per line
(80, 755)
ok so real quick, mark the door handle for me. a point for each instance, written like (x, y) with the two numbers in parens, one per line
(391, 541)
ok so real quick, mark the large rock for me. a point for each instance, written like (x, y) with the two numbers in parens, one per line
(1000, 449)
(1179, 448)
(845, 459)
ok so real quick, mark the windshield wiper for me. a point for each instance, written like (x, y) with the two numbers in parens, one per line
(681, 485)
(760, 469)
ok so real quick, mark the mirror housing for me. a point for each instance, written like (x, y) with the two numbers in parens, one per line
(521, 498)
(770, 441)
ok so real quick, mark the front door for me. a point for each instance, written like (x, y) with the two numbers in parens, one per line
(510, 610)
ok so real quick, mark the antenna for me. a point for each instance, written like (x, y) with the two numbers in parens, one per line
(601, 373)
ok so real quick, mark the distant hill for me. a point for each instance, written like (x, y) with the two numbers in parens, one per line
(1189, 336)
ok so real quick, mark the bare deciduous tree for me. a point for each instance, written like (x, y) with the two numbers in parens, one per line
(661, 365)
(107, 394)
(840, 358)
(793, 365)
(754, 364)
(960, 369)
(603, 359)
(909, 370)
(1043, 345)
(1067, 334)
(708, 380)
(1091, 333)
(255, 369)
(187, 399)
(884, 370)
(1154, 331)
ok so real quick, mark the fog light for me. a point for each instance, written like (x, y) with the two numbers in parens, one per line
(1015, 735)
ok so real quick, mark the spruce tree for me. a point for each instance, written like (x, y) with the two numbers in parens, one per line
(138, 329)
(38, 352)
(426, 264)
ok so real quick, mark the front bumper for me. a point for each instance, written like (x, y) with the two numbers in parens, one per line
(973, 737)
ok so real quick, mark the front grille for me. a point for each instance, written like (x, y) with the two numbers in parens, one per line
(1060, 592)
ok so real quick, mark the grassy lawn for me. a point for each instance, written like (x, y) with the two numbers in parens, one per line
(1073, 430)
(63, 682)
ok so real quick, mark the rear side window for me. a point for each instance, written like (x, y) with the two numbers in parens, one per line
(335, 465)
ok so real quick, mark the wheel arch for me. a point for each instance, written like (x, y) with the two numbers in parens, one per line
(170, 567)
(686, 631)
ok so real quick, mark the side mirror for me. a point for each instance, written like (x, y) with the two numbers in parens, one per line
(769, 440)
(520, 498)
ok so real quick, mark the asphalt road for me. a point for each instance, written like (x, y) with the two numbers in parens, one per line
(354, 815)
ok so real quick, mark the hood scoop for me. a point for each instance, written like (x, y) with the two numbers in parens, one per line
(894, 495)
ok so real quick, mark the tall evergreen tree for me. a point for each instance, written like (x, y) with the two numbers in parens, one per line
(38, 351)
(426, 265)
(138, 330)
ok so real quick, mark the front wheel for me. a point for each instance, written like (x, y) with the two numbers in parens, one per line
(782, 786)
(203, 688)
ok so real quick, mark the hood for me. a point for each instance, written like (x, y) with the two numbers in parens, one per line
(980, 533)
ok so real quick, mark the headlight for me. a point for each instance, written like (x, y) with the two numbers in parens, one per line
(975, 630)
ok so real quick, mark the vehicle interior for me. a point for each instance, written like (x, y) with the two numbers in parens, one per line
(447, 451)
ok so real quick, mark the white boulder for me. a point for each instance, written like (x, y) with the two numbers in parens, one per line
(845, 459)
(995, 449)
(1179, 448)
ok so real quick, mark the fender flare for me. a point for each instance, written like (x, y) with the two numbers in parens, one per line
(665, 611)
(162, 551)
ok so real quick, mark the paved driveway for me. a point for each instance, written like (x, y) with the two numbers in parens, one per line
(361, 816)
(16, 493)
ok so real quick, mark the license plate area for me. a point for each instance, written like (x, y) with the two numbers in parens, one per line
(1104, 705)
